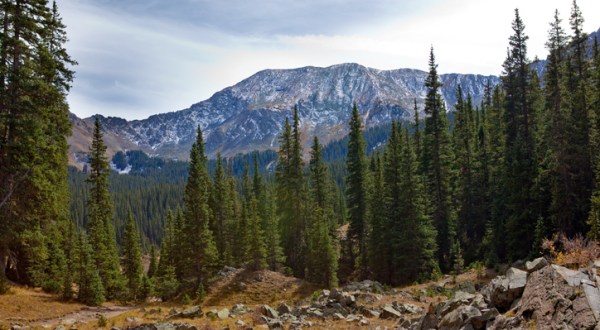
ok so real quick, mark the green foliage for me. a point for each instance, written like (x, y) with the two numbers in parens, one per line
(199, 248)
(152, 267)
(357, 191)
(91, 290)
(437, 156)
(132, 258)
(147, 288)
(102, 322)
(167, 284)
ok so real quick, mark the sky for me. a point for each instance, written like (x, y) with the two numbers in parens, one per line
(142, 57)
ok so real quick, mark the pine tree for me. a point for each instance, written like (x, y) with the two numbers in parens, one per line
(200, 249)
(520, 158)
(356, 191)
(291, 195)
(221, 209)
(436, 163)
(101, 232)
(379, 251)
(322, 261)
(132, 257)
(91, 291)
(34, 126)
(167, 247)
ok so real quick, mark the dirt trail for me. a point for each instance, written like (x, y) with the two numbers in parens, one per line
(85, 315)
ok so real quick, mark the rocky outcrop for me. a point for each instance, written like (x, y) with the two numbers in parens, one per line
(557, 297)
(548, 297)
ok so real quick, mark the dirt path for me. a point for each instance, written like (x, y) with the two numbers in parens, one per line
(85, 315)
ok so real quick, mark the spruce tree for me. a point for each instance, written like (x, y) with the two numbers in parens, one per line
(35, 77)
(199, 245)
(132, 258)
(291, 195)
(436, 163)
(91, 291)
(356, 191)
(100, 209)
(322, 258)
(221, 209)
(520, 158)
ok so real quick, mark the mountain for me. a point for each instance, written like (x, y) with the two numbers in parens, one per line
(250, 115)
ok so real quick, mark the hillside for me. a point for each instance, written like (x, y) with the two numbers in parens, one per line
(249, 115)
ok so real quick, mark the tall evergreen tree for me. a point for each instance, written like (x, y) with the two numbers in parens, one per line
(520, 158)
(436, 163)
(91, 291)
(34, 80)
(200, 248)
(291, 194)
(132, 258)
(356, 191)
(100, 209)
(322, 261)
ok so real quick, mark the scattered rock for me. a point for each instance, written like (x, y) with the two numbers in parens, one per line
(240, 323)
(227, 271)
(192, 312)
(60, 327)
(365, 286)
(134, 320)
(223, 314)
(389, 312)
(269, 312)
(284, 309)
(536, 264)
(503, 290)
(238, 309)
(457, 318)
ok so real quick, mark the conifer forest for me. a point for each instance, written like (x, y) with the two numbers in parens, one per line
(403, 203)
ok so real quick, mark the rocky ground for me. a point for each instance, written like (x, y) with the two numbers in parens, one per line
(535, 295)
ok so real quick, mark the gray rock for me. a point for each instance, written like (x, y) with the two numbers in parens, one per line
(554, 297)
(389, 312)
(480, 321)
(503, 290)
(284, 309)
(238, 309)
(223, 314)
(338, 316)
(407, 308)
(60, 327)
(269, 312)
(240, 323)
(192, 312)
(536, 264)
(458, 317)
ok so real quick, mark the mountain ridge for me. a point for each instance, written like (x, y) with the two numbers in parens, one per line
(250, 114)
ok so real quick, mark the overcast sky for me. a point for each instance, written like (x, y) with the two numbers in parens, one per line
(142, 57)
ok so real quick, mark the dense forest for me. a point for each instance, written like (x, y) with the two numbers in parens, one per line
(405, 202)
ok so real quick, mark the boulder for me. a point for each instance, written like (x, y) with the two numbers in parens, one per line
(481, 321)
(389, 312)
(503, 290)
(269, 312)
(238, 309)
(459, 317)
(223, 314)
(536, 264)
(192, 312)
(284, 309)
(554, 297)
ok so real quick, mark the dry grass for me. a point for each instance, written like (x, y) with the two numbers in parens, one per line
(26, 305)
(260, 287)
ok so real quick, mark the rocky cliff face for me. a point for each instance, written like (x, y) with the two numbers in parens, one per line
(250, 115)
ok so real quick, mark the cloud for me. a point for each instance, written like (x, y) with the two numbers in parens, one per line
(141, 57)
